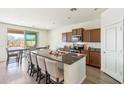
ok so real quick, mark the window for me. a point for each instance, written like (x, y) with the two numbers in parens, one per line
(16, 38)
(31, 40)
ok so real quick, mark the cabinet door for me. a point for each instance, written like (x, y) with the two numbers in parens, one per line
(74, 31)
(98, 59)
(95, 59)
(63, 37)
(86, 36)
(95, 35)
(87, 56)
(79, 31)
(91, 58)
(68, 36)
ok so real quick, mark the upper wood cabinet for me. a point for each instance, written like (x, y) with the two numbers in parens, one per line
(95, 35)
(74, 32)
(78, 31)
(64, 39)
(86, 36)
(69, 36)
(91, 35)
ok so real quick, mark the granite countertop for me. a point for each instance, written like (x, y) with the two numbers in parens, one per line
(95, 50)
(68, 58)
(71, 58)
(98, 50)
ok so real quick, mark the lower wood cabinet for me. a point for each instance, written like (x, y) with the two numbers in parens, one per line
(95, 59)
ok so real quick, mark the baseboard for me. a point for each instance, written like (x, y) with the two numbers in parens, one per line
(82, 80)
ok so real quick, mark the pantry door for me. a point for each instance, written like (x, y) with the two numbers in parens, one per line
(112, 53)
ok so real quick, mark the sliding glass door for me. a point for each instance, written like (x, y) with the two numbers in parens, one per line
(21, 39)
(30, 39)
(16, 38)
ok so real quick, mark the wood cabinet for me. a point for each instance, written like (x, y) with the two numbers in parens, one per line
(78, 31)
(95, 59)
(66, 37)
(87, 53)
(91, 35)
(95, 35)
(86, 36)
(69, 36)
(74, 32)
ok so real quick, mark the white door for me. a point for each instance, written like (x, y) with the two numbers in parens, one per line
(112, 50)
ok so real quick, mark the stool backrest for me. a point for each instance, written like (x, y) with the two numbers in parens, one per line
(52, 68)
(34, 59)
(41, 63)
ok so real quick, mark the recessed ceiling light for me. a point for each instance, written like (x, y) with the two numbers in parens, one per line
(53, 22)
(95, 9)
(33, 26)
(69, 17)
(73, 9)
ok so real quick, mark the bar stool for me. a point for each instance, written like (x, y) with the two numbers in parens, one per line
(42, 68)
(55, 74)
(34, 65)
(30, 65)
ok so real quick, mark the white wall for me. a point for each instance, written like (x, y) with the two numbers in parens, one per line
(111, 16)
(55, 36)
(42, 37)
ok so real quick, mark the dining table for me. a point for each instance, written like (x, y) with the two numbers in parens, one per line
(22, 50)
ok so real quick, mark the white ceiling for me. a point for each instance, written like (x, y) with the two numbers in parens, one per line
(47, 18)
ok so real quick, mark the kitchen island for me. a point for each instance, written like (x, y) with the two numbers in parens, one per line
(74, 65)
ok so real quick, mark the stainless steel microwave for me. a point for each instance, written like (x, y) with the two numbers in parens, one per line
(76, 38)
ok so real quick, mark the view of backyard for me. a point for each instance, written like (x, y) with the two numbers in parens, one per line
(16, 40)
(22, 40)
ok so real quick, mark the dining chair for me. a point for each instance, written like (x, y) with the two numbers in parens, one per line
(11, 55)
(55, 74)
(35, 68)
(42, 68)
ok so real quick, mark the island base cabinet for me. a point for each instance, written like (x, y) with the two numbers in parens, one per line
(76, 72)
